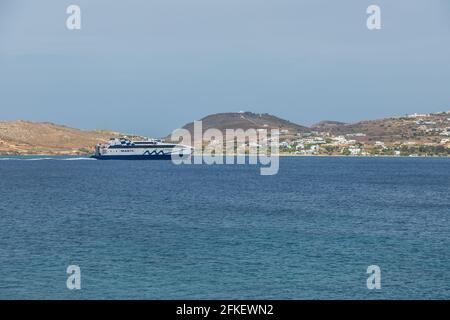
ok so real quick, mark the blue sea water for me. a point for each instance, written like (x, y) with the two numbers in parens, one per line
(154, 230)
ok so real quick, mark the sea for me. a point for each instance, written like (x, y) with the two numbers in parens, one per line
(155, 230)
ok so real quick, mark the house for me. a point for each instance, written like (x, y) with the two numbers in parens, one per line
(354, 150)
(285, 144)
(380, 144)
(339, 140)
(415, 115)
(356, 134)
(313, 150)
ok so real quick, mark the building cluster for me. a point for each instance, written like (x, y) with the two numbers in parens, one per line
(430, 136)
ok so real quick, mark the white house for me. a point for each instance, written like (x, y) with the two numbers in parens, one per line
(354, 150)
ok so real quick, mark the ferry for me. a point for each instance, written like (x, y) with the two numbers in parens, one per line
(150, 149)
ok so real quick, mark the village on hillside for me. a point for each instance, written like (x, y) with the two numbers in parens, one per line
(418, 135)
(409, 135)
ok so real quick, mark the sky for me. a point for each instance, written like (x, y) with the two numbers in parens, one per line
(148, 67)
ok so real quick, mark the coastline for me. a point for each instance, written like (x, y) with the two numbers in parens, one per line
(88, 155)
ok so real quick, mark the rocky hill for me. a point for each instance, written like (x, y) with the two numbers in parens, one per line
(247, 120)
(327, 125)
(423, 128)
(25, 137)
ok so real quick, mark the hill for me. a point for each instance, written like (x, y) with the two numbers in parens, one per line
(426, 128)
(327, 125)
(247, 120)
(25, 137)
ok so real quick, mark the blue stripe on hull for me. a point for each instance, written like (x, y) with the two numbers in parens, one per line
(135, 157)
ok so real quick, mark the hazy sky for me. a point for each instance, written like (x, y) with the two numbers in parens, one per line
(151, 66)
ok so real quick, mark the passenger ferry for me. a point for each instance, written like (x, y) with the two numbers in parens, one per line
(151, 149)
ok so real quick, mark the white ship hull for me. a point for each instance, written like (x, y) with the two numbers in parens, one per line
(127, 150)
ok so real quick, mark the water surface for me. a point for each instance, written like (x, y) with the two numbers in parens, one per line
(153, 230)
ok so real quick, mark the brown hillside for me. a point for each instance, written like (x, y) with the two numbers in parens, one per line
(246, 120)
(25, 137)
(420, 128)
(327, 125)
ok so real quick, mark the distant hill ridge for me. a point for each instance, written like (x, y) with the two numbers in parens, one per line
(326, 125)
(245, 121)
(409, 127)
(26, 137)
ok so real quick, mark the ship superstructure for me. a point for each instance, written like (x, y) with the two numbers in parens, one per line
(150, 149)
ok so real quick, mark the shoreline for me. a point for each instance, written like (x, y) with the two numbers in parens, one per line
(280, 155)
